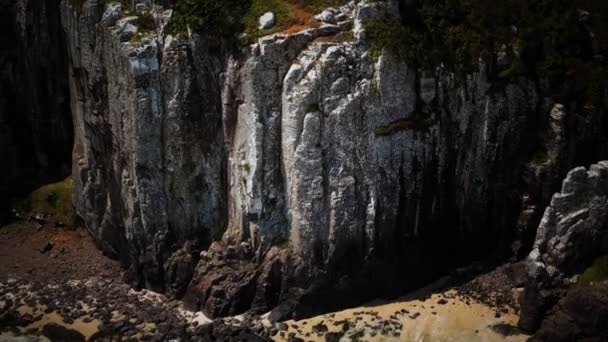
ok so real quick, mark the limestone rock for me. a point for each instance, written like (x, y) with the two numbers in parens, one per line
(327, 16)
(572, 232)
(112, 14)
(299, 169)
(267, 20)
(148, 155)
(574, 229)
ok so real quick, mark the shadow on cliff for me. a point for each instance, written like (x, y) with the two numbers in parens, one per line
(36, 133)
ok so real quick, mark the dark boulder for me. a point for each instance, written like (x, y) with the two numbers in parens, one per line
(582, 315)
(59, 333)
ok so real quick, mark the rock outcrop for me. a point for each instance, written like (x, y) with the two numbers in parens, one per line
(333, 171)
(572, 233)
(35, 120)
(580, 316)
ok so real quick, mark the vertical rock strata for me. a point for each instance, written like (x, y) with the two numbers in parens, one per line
(302, 158)
(149, 153)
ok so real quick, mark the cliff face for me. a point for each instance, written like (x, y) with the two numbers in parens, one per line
(306, 157)
(148, 154)
(35, 121)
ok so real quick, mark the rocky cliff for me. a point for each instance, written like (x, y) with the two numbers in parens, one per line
(35, 120)
(572, 233)
(303, 166)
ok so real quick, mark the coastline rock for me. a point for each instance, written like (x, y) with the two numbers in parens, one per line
(367, 174)
(572, 233)
(582, 315)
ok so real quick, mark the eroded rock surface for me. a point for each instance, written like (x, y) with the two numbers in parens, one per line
(572, 233)
(148, 153)
(360, 174)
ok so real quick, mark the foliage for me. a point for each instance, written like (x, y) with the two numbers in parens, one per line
(53, 201)
(280, 8)
(210, 16)
(400, 42)
(544, 39)
(229, 17)
(598, 271)
(146, 22)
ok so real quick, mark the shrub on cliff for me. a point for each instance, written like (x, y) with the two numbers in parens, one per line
(210, 16)
(229, 17)
(543, 39)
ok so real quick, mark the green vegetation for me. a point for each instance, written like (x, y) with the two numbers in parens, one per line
(418, 122)
(319, 5)
(246, 166)
(598, 271)
(398, 41)
(210, 16)
(146, 22)
(281, 10)
(230, 17)
(544, 39)
(53, 201)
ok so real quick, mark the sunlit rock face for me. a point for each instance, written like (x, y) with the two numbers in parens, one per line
(320, 169)
(35, 122)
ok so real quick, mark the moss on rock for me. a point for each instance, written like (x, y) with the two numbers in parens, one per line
(597, 272)
(52, 201)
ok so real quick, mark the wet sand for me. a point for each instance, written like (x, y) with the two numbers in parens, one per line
(446, 316)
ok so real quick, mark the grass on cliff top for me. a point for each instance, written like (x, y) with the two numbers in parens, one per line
(597, 272)
(53, 201)
(230, 17)
(283, 13)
